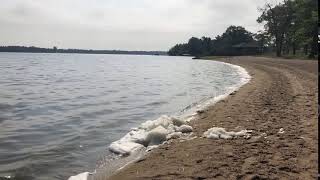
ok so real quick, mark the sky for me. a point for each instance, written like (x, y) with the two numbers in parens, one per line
(120, 24)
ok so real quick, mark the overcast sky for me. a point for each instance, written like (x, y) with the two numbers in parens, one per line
(120, 24)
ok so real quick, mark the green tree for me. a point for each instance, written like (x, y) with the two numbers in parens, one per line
(237, 34)
(292, 24)
(306, 25)
(178, 50)
(263, 40)
(277, 20)
(221, 45)
(55, 49)
(195, 46)
(206, 45)
(232, 36)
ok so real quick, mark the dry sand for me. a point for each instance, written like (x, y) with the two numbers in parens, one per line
(282, 94)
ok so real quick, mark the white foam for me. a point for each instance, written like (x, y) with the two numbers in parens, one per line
(157, 136)
(126, 148)
(281, 131)
(150, 133)
(178, 122)
(221, 133)
(184, 129)
(81, 176)
(174, 135)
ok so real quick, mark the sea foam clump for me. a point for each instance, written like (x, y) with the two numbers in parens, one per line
(81, 176)
(221, 133)
(150, 133)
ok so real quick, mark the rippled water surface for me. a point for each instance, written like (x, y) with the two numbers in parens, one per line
(59, 112)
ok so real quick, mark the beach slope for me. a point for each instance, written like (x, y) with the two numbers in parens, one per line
(279, 104)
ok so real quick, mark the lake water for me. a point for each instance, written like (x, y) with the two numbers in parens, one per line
(59, 112)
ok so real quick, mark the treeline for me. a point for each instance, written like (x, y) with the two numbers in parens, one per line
(27, 49)
(33, 49)
(290, 28)
(236, 40)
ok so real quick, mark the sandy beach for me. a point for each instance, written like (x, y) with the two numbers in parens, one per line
(282, 94)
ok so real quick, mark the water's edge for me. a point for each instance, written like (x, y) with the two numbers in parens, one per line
(104, 172)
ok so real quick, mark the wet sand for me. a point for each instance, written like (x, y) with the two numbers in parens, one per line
(282, 94)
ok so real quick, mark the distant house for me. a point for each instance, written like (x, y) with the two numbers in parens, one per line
(251, 48)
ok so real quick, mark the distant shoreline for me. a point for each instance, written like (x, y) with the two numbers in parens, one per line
(32, 49)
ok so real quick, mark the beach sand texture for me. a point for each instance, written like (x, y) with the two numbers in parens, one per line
(282, 94)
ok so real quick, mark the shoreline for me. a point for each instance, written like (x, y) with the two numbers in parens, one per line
(250, 107)
(190, 115)
(132, 151)
(128, 144)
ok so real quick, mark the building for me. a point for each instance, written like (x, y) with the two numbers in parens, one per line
(251, 48)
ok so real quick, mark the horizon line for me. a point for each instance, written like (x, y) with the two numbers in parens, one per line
(22, 46)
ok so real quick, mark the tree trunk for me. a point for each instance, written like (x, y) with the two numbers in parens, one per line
(306, 49)
(294, 48)
(278, 50)
(286, 49)
(279, 44)
(314, 45)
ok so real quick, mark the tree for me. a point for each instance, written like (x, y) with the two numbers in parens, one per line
(179, 50)
(206, 45)
(221, 45)
(277, 20)
(263, 40)
(237, 34)
(232, 36)
(292, 24)
(195, 46)
(55, 49)
(306, 25)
